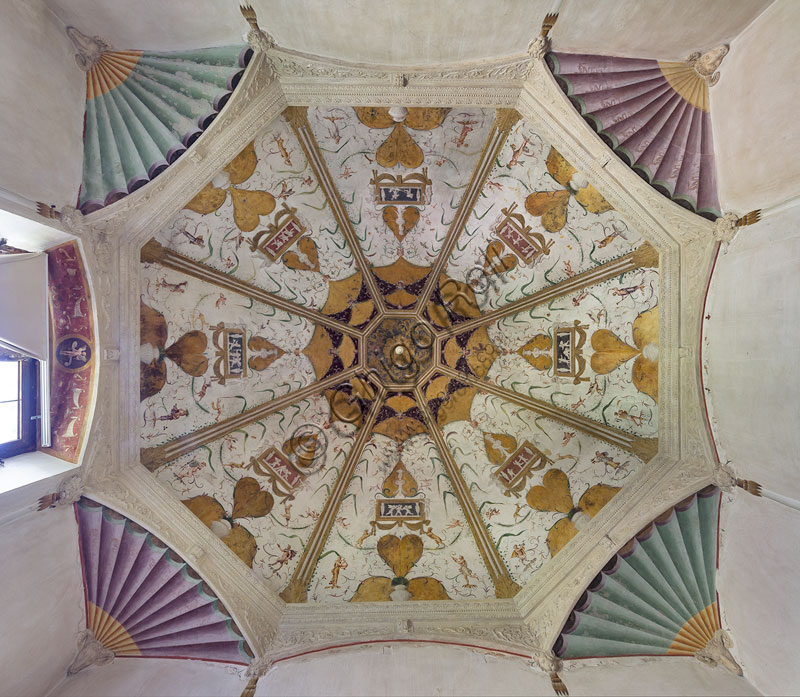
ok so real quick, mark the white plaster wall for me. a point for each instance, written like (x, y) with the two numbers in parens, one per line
(752, 348)
(759, 566)
(665, 30)
(446, 670)
(41, 600)
(408, 669)
(754, 112)
(419, 32)
(754, 382)
(145, 677)
(41, 112)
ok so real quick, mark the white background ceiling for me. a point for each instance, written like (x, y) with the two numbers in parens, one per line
(417, 32)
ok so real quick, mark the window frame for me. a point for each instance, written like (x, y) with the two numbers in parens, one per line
(28, 413)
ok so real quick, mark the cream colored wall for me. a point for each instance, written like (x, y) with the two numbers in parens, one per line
(392, 669)
(41, 599)
(754, 112)
(418, 32)
(752, 340)
(753, 337)
(134, 677)
(754, 383)
(41, 113)
(446, 670)
(758, 588)
(664, 30)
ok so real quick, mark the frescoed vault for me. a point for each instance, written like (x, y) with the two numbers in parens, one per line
(143, 600)
(398, 350)
(657, 595)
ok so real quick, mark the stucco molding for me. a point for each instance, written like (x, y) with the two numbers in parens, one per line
(492, 623)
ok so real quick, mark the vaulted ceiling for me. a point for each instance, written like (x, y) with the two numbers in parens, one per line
(438, 345)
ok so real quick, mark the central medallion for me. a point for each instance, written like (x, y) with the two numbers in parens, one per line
(400, 350)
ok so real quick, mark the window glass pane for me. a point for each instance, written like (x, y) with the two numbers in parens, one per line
(9, 380)
(9, 421)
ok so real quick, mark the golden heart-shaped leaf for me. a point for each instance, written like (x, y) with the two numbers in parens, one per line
(305, 259)
(390, 215)
(551, 206)
(596, 497)
(399, 147)
(535, 352)
(208, 200)
(410, 219)
(493, 263)
(265, 353)
(243, 544)
(241, 167)
(561, 533)
(553, 494)
(249, 205)
(399, 554)
(499, 446)
(205, 507)
(249, 500)
(425, 118)
(610, 352)
(187, 353)
(374, 116)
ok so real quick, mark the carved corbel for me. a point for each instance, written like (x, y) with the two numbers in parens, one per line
(540, 45)
(716, 652)
(69, 491)
(257, 668)
(90, 653)
(548, 662)
(726, 480)
(258, 39)
(706, 64)
(72, 220)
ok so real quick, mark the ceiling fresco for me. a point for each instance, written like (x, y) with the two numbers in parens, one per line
(398, 353)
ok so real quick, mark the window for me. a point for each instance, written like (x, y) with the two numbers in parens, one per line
(18, 405)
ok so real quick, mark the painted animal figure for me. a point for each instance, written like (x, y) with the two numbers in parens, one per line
(464, 570)
(338, 565)
(466, 129)
(568, 436)
(287, 554)
(433, 536)
(285, 154)
(568, 268)
(623, 415)
(515, 154)
(606, 459)
(333, 131)
(173, 415)
(285, 190)
(518, 508)
(364, 535)
(171, 287)
(580, 297)
(199, 240)
(627, 292)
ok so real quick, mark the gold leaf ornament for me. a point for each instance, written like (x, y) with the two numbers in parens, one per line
(400, 554)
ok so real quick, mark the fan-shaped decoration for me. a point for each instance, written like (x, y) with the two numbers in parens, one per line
(657, 595)
(654, 115)
(144, 109)
(142, 599)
